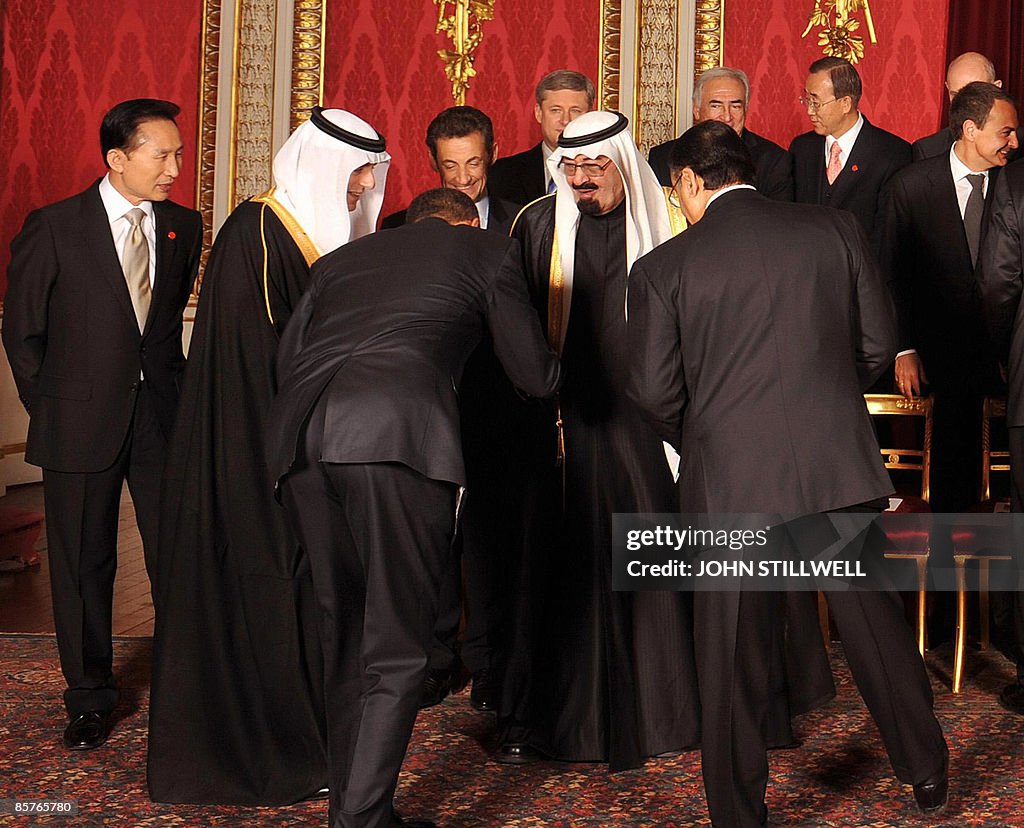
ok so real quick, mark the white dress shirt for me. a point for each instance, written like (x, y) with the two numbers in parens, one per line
(963, 187)
(845, 141)
(116, 206)
(483, 208)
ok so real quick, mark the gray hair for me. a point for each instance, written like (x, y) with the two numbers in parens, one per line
(720, 73)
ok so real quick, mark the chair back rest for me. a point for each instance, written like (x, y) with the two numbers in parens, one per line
(992, 460)
(915, 455)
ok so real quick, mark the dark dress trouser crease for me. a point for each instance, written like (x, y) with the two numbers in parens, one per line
(378, 536)
(736, 632)
(81, 529)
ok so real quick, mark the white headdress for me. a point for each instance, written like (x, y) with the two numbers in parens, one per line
(647, 220)
(311, 173)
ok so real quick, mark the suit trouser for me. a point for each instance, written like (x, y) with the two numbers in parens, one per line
(81, 533)
(486, 547)
(378, 537)
(735, 632)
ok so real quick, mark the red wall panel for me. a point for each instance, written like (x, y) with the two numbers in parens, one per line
(382, 64)
(64, 63)
(903, 73)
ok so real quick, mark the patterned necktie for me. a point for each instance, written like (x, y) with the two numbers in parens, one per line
(973, 213)
(834, 165)
(552, 186)
(136, 266)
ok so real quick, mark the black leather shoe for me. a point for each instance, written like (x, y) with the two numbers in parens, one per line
(482, 696)
(435, 688)
(1012, 698)
(87, 731)
(932, 794)
(516, 753)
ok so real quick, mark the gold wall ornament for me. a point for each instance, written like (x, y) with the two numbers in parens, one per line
(308, 43)
(838, 36)
(609, 55)
(708, 35)
(463, 24)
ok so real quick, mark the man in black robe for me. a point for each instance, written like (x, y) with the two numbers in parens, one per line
(236, 713)
(599, 675)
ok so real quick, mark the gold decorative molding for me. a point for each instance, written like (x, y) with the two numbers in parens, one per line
(206, 143)
(708, 35)
(308, 58)
(609, 55)
(657, 54)
(650, 53)
(464, 26)
(252, 133)
(837, 37)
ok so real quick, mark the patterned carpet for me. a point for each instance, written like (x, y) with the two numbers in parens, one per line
(838, 778)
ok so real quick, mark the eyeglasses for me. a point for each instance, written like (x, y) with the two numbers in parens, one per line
(591, 169)
(673, 195)
(813, 105)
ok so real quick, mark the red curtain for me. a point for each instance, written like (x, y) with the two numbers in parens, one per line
(996, 29)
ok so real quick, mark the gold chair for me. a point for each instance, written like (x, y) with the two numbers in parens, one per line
(908, 543)
(972, 545)
(904, 543)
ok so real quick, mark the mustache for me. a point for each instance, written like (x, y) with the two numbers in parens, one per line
(587, 185)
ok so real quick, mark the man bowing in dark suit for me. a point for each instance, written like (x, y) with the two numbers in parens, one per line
(845, 160)
(727, 366)
(92, 328)
(363, 438)
(723, 94)
(929, 243)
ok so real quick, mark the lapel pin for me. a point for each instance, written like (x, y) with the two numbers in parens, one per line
(171, 235)
(854, 168)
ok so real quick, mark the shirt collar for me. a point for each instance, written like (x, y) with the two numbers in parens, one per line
(730, 188)
(959, 168)
(116, 205)
(846, 140)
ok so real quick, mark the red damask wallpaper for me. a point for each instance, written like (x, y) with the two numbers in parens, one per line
(903, 73)
(64, 63)
(382, 64)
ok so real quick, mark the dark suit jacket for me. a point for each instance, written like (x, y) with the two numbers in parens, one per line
(756, 371)
(1000, 275)
(931, 145)
(773, 166)
(518, 178)
(876, 156)
(500, 216)
(925, 257)
(71, 334)
(385, 330)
